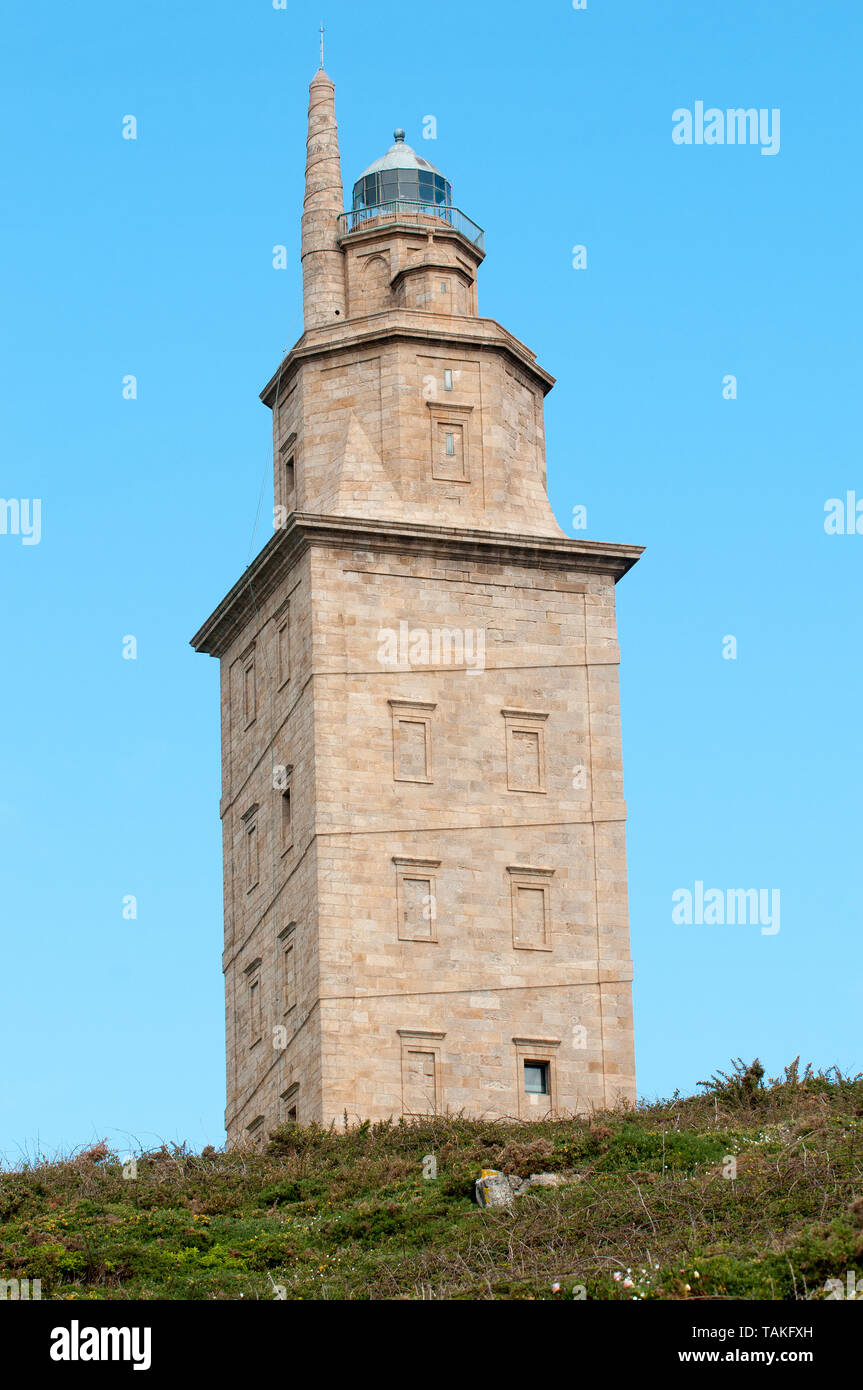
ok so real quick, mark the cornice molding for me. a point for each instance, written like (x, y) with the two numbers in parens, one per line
(306, 529)
(405, 325)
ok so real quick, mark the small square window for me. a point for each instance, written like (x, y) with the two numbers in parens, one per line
(536, 1078)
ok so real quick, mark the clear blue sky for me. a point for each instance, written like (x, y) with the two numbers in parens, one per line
(154, 257)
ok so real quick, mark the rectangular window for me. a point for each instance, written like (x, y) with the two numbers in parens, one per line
(526, 763)
(447, 379)
(411, 751)
(290, 1104)
(252, 858)
(412, 747)
(288, 456)
(283, 644)
(525, 750)
(249, 694)
(536, 1083)
(416, 899)
(536, 1078)
(444, 286)
(530, 916)
(254, 1011)
(418, 908)
(255, 1132)
(253, 1001)
(288, 985)
(450, 426)
(252, 861)
(451, 461)
(421, 1071)
(420, 1091)
(287, 820)
(288, 979)
(531, 908)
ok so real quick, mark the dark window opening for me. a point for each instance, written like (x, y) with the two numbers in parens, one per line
(402, 185)
(290, 1103)
(536, 1078)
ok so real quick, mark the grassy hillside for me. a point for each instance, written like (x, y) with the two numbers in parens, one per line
(646, 1210)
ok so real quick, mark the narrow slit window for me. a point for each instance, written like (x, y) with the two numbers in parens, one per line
(450, 444)
(289, 476)
(255, 1024)
(284, 648)
(249, 694)
(288, 979)
(447, 379)
(252, 865)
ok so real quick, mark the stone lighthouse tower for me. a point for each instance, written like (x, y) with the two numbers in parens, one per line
(422, 800)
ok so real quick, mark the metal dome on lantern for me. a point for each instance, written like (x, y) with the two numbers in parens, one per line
(402, 186)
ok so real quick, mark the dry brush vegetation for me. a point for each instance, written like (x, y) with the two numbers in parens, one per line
(649, 1207)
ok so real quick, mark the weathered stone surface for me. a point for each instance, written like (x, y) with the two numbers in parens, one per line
(495, 1189)
(422, 799)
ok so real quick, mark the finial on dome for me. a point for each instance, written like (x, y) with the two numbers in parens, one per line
(399, 136)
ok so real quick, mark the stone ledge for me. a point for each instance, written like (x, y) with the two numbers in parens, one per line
(405, 325)
(305, 529)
